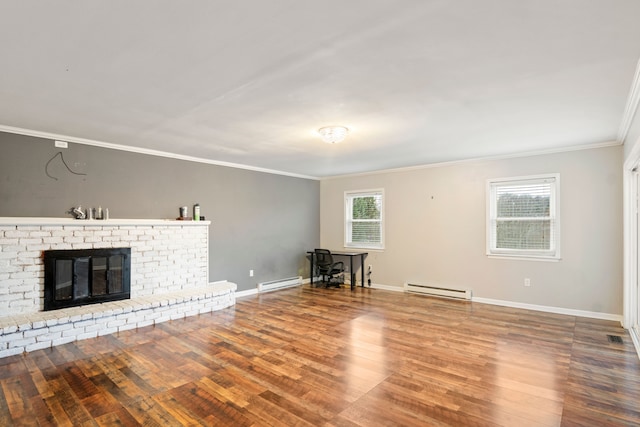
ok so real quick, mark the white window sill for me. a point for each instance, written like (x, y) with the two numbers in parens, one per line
(524, 258)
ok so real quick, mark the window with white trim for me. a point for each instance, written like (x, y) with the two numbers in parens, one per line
(524, 217)
(364, 219)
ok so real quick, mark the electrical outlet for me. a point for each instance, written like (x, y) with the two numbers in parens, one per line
(527, 281)
(250, 273)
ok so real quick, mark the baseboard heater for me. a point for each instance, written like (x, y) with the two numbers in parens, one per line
(438, 291)
(275, 285)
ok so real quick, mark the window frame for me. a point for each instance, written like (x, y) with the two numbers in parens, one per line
(553, 254)
(348, 219)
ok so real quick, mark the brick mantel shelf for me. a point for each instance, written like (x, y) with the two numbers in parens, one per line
(4, 221)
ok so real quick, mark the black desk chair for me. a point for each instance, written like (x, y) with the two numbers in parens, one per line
(332, 272)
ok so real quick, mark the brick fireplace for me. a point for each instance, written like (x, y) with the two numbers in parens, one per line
(169, 278)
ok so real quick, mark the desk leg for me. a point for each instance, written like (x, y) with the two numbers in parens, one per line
(362, 269)
(311, 274)
(353, 274)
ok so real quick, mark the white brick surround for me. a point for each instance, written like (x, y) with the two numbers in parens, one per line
(169, 278)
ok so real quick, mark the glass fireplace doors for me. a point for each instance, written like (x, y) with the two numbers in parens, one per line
(78, 277)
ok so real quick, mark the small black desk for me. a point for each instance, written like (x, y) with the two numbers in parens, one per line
(351, 255)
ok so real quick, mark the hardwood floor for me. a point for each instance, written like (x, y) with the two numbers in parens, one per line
(333, 357)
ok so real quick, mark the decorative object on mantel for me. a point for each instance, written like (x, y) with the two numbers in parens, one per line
(78, 213)
(184, 214)
(196, 212)
(184, 211)
(89, 213)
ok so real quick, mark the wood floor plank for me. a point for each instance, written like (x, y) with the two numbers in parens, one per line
(54, 411)
(226, 395)
(117, 418)
(293, 406)
(11, 366)
(178, 412)
(69, 403)
(81, 386)
(121, 392)
(265, 412)
(197, 400)
(18, 391)
(335, 357)
(150, 413)
(5, 415)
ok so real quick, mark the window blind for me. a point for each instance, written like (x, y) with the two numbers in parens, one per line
(523, 217)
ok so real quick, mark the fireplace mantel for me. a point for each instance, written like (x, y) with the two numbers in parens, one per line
(4, 221)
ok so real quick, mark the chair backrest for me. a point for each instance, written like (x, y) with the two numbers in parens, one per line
(323, 258)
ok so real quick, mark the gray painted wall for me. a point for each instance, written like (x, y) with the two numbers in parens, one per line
(260, 221)
(436, 229)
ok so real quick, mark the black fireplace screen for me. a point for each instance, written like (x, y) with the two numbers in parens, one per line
(86, 276)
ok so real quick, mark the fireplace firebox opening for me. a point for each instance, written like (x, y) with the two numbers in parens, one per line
(86, 276)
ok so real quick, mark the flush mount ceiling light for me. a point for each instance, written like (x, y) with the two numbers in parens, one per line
(333, 134)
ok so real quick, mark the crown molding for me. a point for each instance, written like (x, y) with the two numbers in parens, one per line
(481, 159)
(632, 106)
(138, 150)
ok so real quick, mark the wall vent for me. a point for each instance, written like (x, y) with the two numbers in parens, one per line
(275, 285)
(439, 291)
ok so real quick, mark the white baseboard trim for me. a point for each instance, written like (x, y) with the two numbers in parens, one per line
(248, 292)
(512, 304)
(386, 287)
(279, 284)
(549, 309)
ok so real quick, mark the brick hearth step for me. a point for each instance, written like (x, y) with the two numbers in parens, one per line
(34, 331)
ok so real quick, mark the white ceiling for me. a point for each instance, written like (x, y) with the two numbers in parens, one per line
(248, 82)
